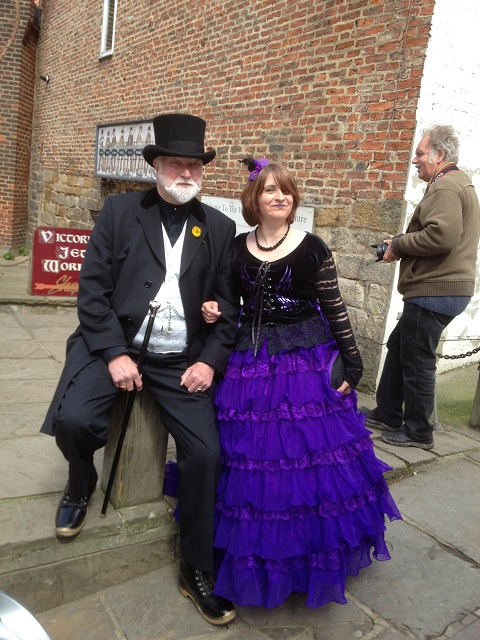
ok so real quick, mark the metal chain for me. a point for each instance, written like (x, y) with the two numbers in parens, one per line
(458, 356)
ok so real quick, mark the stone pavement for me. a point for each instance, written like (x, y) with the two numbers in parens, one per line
(118, 580)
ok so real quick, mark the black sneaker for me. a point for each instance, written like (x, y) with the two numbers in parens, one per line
(373, 420)
(401, 439)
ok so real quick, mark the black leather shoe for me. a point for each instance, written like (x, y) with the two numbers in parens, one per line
(401, 439)
(374, 420)
(198, 586)
(72, 510)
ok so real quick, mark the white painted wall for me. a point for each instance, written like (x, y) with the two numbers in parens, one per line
(450, 94)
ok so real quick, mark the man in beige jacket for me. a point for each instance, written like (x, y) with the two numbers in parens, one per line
(438, 256)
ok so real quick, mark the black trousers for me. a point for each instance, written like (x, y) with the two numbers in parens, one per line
(406, 390)
(82, 425)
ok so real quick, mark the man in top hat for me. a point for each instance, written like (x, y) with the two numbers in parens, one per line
(161, 245)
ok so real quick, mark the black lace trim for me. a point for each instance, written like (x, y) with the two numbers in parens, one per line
(303, 333)
(333, 307)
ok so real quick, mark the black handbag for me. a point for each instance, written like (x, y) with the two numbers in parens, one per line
(337, 372)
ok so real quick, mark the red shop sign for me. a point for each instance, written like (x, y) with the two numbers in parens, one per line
(56, 261)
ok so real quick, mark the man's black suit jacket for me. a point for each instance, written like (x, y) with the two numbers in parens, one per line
(123, 269)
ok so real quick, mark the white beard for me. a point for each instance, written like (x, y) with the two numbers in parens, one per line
(180, 193)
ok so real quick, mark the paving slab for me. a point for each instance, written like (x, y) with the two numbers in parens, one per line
(472, 432)
(284, 633)
(19, 420)
(61, 318)
(45, 572)
(27, 348)
(450, 441)
(392, 634)
(475, 456)
(17, 392)
(472, 632)
(31, 466)
(28, 370)
(17, 332)
(152, 607)
(8, 319)
(398, 466)
(349, 618)
(71, 620)
(444, 501)
(59, 333)
(44, 587)
(30, 521)
(423, 588)
(56, 350)
(410, 455)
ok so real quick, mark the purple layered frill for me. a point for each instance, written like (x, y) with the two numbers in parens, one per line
(302, 498)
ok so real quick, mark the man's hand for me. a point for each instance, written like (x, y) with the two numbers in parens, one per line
(124, 373)
(389, 256)
(210, 311)
(198, 377)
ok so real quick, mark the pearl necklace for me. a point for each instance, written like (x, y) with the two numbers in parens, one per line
(274, 246)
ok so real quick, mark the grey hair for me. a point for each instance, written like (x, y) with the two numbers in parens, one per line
(442, 137)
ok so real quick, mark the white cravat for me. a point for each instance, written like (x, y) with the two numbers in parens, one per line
(169, 333)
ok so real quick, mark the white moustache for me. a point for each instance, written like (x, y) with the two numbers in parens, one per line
(181, 182)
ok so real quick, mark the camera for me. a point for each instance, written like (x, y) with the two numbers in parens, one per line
(380, 249)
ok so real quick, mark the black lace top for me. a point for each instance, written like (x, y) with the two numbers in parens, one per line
(295, 300)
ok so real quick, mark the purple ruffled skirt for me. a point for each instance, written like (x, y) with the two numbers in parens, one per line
(301, 498)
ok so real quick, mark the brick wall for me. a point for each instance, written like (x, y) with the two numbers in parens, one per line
(328, 88)
(18, 40)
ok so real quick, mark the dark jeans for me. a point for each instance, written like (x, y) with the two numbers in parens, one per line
(407, 385)
(82, 424)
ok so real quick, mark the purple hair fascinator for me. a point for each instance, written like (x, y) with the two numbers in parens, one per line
(254, 166)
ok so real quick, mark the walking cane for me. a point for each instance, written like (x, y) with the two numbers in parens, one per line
(154, 306)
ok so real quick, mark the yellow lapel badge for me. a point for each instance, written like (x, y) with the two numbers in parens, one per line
(196, 231)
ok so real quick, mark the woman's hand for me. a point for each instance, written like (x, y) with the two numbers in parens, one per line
(210, 311)
(344, 388)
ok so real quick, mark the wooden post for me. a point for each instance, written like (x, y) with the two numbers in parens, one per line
(141, 466)
(475, 417)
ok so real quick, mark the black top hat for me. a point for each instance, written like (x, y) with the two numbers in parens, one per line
(178, 134)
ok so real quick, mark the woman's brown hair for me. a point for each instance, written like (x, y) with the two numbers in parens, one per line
(251, 193)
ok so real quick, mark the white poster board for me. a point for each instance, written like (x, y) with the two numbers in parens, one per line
(232, 208)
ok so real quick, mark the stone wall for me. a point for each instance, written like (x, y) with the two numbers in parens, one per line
(366, 285)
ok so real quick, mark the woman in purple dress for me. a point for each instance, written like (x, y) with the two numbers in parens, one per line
(302, 499)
